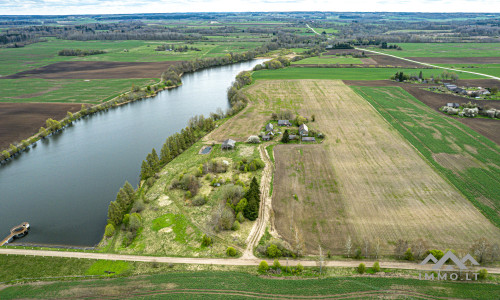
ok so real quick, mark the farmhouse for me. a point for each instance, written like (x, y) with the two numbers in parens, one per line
(308, 139)
(292, 137)
(453, 105)
(269, 127)
(266, 137)
(284, 123)
(303, 130)
(228, 144)
(450, 87)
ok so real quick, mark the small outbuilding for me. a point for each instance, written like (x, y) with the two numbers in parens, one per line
(453, 105)
(269, 127)
(303, 130)
(266, 138)
(228, 144)
(292, 137)
(308, 139)
(284, 123)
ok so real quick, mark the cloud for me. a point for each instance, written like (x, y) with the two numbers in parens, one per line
(157, 6)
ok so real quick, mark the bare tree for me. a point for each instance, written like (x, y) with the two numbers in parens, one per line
(366, 247)
(401, 247)
(376, 248)
(298, 243)
(480, 249)
(419, 247)
(348, 246)
(495, 252)
(321, 260)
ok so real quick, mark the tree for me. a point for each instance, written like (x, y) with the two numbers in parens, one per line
(480, 249)
(146, 170)
(273, 251)
(206, 241)
(5, 154)
(376, 248)
(263, 267)
(109, 231)
(494, 90)
(409, 254)
(483, 274)
(135, 222)
(231, 251)
(251, 211)
(361, 268)
(115, 213)
(286, 137)
(401, 247)
(348, 246)
(419, 247)
(376, 267)
(421, 76)
(313, 118)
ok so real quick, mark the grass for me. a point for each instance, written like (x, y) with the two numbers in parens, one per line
(490, 69)
(101, 267)
(66, 90)
(235, 285)
(173, 227)
(329, 60)
(476, 168)
(446, 50)
(346, 73)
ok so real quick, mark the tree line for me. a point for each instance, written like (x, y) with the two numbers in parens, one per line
(79, 52)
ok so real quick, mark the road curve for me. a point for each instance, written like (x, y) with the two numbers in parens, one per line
(428, 65)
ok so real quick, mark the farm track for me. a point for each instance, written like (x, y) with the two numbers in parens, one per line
(259, 227)
(215, 261)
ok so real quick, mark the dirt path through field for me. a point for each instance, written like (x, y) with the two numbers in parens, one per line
(259, 226)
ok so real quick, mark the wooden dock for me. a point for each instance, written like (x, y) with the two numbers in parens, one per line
(16, 232)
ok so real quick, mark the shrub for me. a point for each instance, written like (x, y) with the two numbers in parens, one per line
(438, 254)
(199, 200)
(126, 219)
(273, 251)
(236, 225)
(5, 154)
(276, 264)
(483, 273)
(263, 267)
(299, 268)
(239, 217)
(231, 251)
(376, 267)
(138, 206)
(206, 241)
(361, 268)
(357, 254)
(409, 254)
(109, 231)
(135, 222)
(227, 218)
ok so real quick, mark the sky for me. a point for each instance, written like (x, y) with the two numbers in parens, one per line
(64, 7)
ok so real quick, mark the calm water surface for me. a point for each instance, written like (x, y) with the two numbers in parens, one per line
(63, 187)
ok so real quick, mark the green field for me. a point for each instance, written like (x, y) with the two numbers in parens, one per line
(490, 69)
(14, 60)
(66, 90)
(347, 73)
(475, 170)
(236, 285)
(329, 60)
(446, 50)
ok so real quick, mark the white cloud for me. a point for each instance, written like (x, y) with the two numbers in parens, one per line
(155, 6)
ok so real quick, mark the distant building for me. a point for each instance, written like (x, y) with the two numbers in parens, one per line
(292, 137)
(303, 130)
(228, 144)
(454, 105)
(269, 127)
(266, 137)
(284, 123)
(308, 139)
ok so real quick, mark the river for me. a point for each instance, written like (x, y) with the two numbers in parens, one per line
(63, 186)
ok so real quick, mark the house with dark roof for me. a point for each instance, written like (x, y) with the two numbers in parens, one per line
(284, 123)
(303, 130)
(269, 127)
(308, 139)
(228, 144)
(454, 105)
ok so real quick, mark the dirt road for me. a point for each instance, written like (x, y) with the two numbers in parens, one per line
(259, 227)
(216, 261)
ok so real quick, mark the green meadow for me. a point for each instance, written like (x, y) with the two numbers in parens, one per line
(445, 50)
(328, 60)
(347, 73)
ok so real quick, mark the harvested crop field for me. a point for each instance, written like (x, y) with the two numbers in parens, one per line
(377, 59)
(365, 181)
(488, 127)
(96, 70)
(457, 60)
(20, 120)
